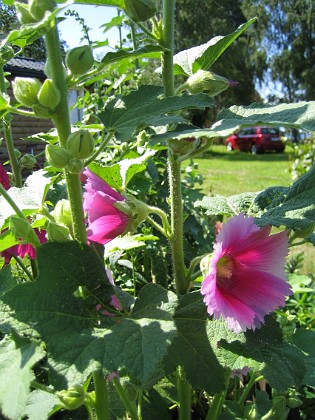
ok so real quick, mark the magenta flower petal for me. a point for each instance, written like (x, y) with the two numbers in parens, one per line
(22, 250)
(105, 221)
(246, 278)
(4, 178)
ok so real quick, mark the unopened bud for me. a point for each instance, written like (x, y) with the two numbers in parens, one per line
(79, 60)
(72, 398)
(80, 144)
(57, 156)
(20, 227)
(38, 8)
(182, 146)
(57, 233)
(25, 90)
(75, 166)
(23, 13)
(28, 161)
(62, 213)
(140, 10)
(49, 95)
(137, 209)
(208, 82)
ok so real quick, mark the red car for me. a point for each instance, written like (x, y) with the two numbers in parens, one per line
(256, 139)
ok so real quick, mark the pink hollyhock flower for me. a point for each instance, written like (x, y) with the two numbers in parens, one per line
(114, 300)
(105, 221)
(245, 277)
(4, 178)
(21, 250)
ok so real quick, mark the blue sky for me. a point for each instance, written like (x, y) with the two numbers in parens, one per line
(94, 16)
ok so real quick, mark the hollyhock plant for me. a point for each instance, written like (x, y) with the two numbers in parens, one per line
(21, 250)
(245, 278)
(4, 178)
(109, 214)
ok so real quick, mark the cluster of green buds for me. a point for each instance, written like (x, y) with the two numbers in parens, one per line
(79, 146)
(208, 82)
(79, 60)
(30, 92)
(34, 11)
(183, 146)
(140, 10)
(59, 224)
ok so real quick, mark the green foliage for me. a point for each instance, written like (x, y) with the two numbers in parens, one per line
(18, 356)
(304, 158)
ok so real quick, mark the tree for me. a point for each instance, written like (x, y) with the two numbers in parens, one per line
(286, 37)
(197, 21)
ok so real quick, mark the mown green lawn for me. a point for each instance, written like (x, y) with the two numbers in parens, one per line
(229, 173)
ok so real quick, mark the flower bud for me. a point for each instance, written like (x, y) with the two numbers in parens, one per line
(137, 209)
(25, 90)
(49, 95)
(57, 156)
(140, 10)
(28, 161)
(75, 166)
(72, 398)
(57, 233)
(294, 402)
(62, 213)
(80, 144)
(38, 8)
(182, 146)
(209, 82)
(23, 13)
(79, 60)
(20, 227)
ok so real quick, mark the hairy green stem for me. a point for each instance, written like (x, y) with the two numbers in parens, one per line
(184, 395)
(174, 168)
(129, 404)
(101, 148)
(22, 112)
(163, 216)
(101, 396)
(62, 123)
(16, 169)
(218, 400)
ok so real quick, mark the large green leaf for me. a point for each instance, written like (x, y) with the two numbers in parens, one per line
(119, 174)
(295, 207)
(191, 349)
(220, 205)
(263, 350)
(79, 338)
(305, 339)
(28, 198)
(145, 107)
(189, 61)
(297, 115)
(17, 358)
(51, 307)
(40, 404)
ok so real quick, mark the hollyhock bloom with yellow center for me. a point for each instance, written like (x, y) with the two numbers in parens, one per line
(109, 214)
(245, 278)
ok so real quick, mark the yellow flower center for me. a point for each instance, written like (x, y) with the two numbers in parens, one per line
(224, 271)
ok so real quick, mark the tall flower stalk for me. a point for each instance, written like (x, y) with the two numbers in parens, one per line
(174, 166)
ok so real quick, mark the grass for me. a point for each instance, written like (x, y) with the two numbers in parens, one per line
(229, 173)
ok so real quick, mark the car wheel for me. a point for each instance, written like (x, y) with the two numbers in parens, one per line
(254, 149)
(229, 146)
